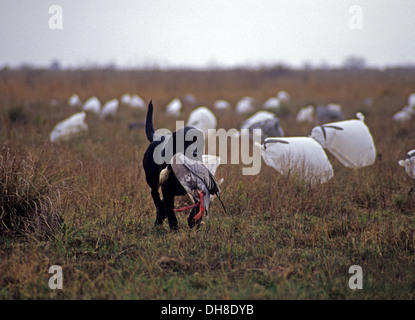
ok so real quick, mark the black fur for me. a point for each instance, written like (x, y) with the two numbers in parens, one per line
(172, 186)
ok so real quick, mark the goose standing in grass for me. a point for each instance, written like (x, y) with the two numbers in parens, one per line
(405, 114)
(257, 117)
(221, 105)
(328, 113)
(109, 108)
(283, 96)
(74, 101)
(203, 119)
(272, 103)
(306, 114)
(350, 141)
(68, 128)
(93, 105)
(174, 107)
(402, 116)
(126, 99)
(137, 102)
(245, 105)
(190, 99)
(302, 157)
(411, 99)
(196, 179)
(409, 163)
(267, 122)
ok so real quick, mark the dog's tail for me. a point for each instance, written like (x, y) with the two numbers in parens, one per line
(149, 122)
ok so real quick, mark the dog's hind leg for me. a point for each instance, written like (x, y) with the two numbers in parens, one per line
(171, 216)
(161, 208)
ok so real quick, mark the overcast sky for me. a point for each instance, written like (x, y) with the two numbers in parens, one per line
(200, 33)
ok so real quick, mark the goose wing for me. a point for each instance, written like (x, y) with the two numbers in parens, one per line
(199, 170)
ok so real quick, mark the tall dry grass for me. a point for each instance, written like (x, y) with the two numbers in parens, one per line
(282, 239)
(30, 195)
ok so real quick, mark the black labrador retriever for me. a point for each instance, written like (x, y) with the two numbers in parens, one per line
(188, 140)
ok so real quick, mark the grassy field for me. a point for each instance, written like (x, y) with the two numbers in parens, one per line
(84, 204)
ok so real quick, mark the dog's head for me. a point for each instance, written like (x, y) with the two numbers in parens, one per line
(188, 140)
